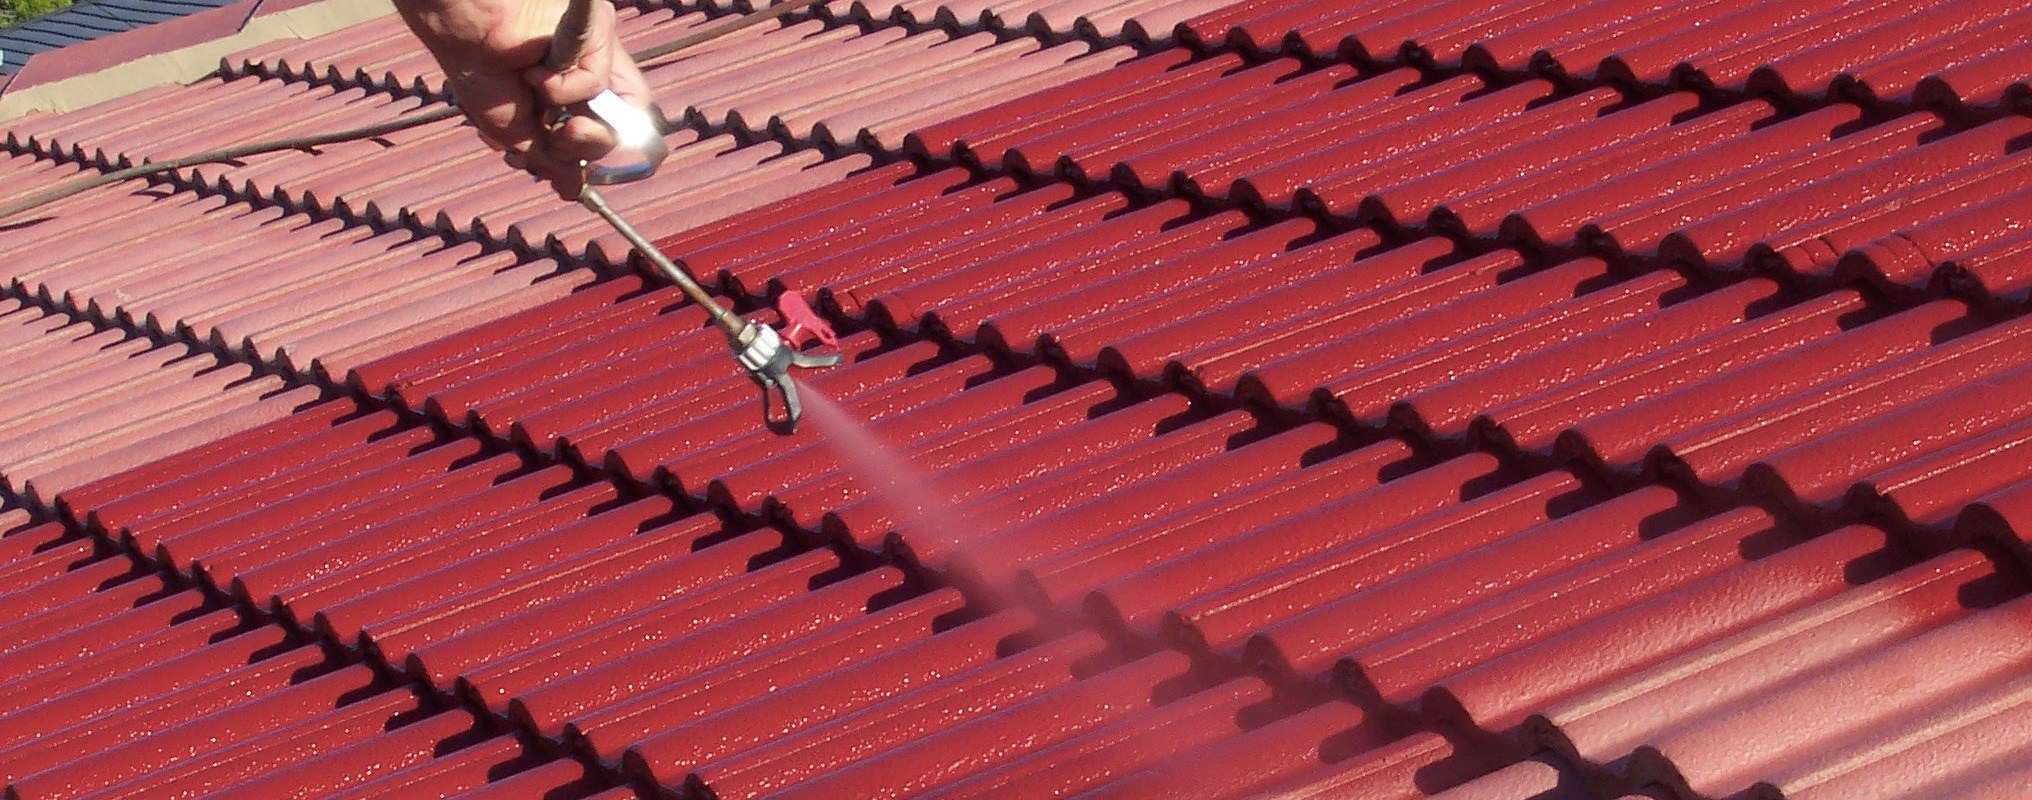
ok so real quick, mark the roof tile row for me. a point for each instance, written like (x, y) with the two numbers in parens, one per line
(1953, 56)
(1145, 24)
(378, 53)
(1503, 164)
(751, 82)
(433, 181)
(215, 273)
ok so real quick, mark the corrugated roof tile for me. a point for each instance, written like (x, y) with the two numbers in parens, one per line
(1377, 425)
(1796, 51)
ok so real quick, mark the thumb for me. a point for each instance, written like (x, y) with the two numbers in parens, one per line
(586, 76)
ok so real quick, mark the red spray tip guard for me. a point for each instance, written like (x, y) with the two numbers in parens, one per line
(799, 322)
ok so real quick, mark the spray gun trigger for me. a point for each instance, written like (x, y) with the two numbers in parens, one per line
(768, 360)
(793, 409)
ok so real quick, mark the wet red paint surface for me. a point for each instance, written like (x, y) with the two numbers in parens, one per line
(1419, 399)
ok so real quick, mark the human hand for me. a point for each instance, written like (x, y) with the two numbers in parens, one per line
(492, 52)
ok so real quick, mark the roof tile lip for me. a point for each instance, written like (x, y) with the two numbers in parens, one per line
(1525, 429)
(1586, 735)
(1806, 481)
(1998, 518)
(439, 655)
(1716, 455)
(1653, 299)
(1689, 771)
(1236, 621)
(1393, 671)
(346, 621)
(1442, 413)
(1921, 494)
(604, 735)
(991, 687)
(1484, 698)
(1611, 443)
(1646, 47)
(549, 708)
(494, 686)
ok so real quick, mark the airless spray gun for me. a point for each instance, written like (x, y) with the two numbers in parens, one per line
(759, 348)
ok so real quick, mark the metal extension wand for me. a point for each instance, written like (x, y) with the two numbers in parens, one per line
(757, 347)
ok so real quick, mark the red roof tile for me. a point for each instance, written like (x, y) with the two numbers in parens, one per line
(1393, 431)
(1872, 52)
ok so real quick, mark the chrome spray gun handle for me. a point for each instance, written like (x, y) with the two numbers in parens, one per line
(636, 130)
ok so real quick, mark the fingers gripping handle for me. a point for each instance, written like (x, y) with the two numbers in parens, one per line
(636, 129)
(570, 36)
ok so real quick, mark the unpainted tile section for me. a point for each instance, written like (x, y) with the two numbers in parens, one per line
(83, 401)
(264, 284)
(888, 79)
(380, 54)
(429, 181)
(1143, 23)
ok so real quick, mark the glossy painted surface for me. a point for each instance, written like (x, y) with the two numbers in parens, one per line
(1869, 51)
(1310, 431)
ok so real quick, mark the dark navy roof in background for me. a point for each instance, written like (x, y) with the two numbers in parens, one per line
(87, 21)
